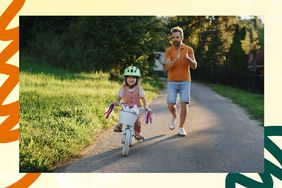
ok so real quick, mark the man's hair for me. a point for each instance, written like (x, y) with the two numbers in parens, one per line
(177, 29)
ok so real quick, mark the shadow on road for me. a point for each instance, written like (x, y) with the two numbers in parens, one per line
(102, 160)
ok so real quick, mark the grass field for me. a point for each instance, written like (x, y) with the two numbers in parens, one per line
(61, 112)
(253, 103)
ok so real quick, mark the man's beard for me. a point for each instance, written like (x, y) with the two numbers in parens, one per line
(176, 43)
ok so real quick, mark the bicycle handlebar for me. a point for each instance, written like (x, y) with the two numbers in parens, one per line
(112, 105)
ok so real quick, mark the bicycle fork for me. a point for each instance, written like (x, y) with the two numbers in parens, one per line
(124, 132)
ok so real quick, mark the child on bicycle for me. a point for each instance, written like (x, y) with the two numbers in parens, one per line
(131, 93)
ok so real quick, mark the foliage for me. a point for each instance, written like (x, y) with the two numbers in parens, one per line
(97, 43)
(212, 36)
(110, 43)
(237, 58)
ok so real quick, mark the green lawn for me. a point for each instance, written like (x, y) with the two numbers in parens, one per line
(61, 112)
(253, 103)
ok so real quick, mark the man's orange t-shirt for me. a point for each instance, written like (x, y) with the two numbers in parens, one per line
(181, 70)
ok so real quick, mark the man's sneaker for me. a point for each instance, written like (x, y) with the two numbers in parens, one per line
(171, 124)
(182, 132)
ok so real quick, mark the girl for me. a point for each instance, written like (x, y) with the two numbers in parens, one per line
(131, 93)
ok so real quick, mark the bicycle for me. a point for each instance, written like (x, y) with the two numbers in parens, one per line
(128, 117)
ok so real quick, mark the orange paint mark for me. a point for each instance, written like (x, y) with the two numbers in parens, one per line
(26, 181)
(11, 110)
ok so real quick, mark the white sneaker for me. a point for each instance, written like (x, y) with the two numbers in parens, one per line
(182, 132)
(172, 123)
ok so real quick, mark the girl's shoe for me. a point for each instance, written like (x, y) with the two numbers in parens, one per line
(139, 137)
(118, 128)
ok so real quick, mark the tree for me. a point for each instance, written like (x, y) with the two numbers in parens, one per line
(237, 58)
(98, 43)
(246, 44)
(215, 41)
(254, 34)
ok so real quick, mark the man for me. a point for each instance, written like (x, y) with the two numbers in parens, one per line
(179, 58)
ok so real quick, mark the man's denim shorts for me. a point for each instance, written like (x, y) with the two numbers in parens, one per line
(181, 88)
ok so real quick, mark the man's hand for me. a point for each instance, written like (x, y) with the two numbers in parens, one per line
(177, 56)
(192, 63)
(170, 63)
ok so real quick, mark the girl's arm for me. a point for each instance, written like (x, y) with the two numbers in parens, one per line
(117, 102)
(119, 97)
(145, 103)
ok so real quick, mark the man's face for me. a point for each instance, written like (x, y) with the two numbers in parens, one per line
(176, 39)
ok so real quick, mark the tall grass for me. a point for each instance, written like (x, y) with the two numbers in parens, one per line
(61, 112)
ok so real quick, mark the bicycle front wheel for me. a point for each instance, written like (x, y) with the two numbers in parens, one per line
(127, 137)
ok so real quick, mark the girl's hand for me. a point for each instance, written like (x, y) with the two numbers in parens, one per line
(116, 103)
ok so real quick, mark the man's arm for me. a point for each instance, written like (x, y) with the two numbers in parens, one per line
(191, 61)
(169, 64)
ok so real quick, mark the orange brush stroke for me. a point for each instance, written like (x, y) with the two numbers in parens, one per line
(11, 110)
(26, 181)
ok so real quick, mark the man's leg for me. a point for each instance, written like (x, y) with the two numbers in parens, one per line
(172, 110)
(185, 99)
(171, 101)
(183, 114)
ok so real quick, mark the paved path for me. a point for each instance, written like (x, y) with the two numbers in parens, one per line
(221, 138)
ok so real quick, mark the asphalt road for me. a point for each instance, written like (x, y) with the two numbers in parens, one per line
(221, 137)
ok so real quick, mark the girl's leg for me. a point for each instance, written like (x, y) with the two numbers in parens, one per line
(137, 126)
(137, 129)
